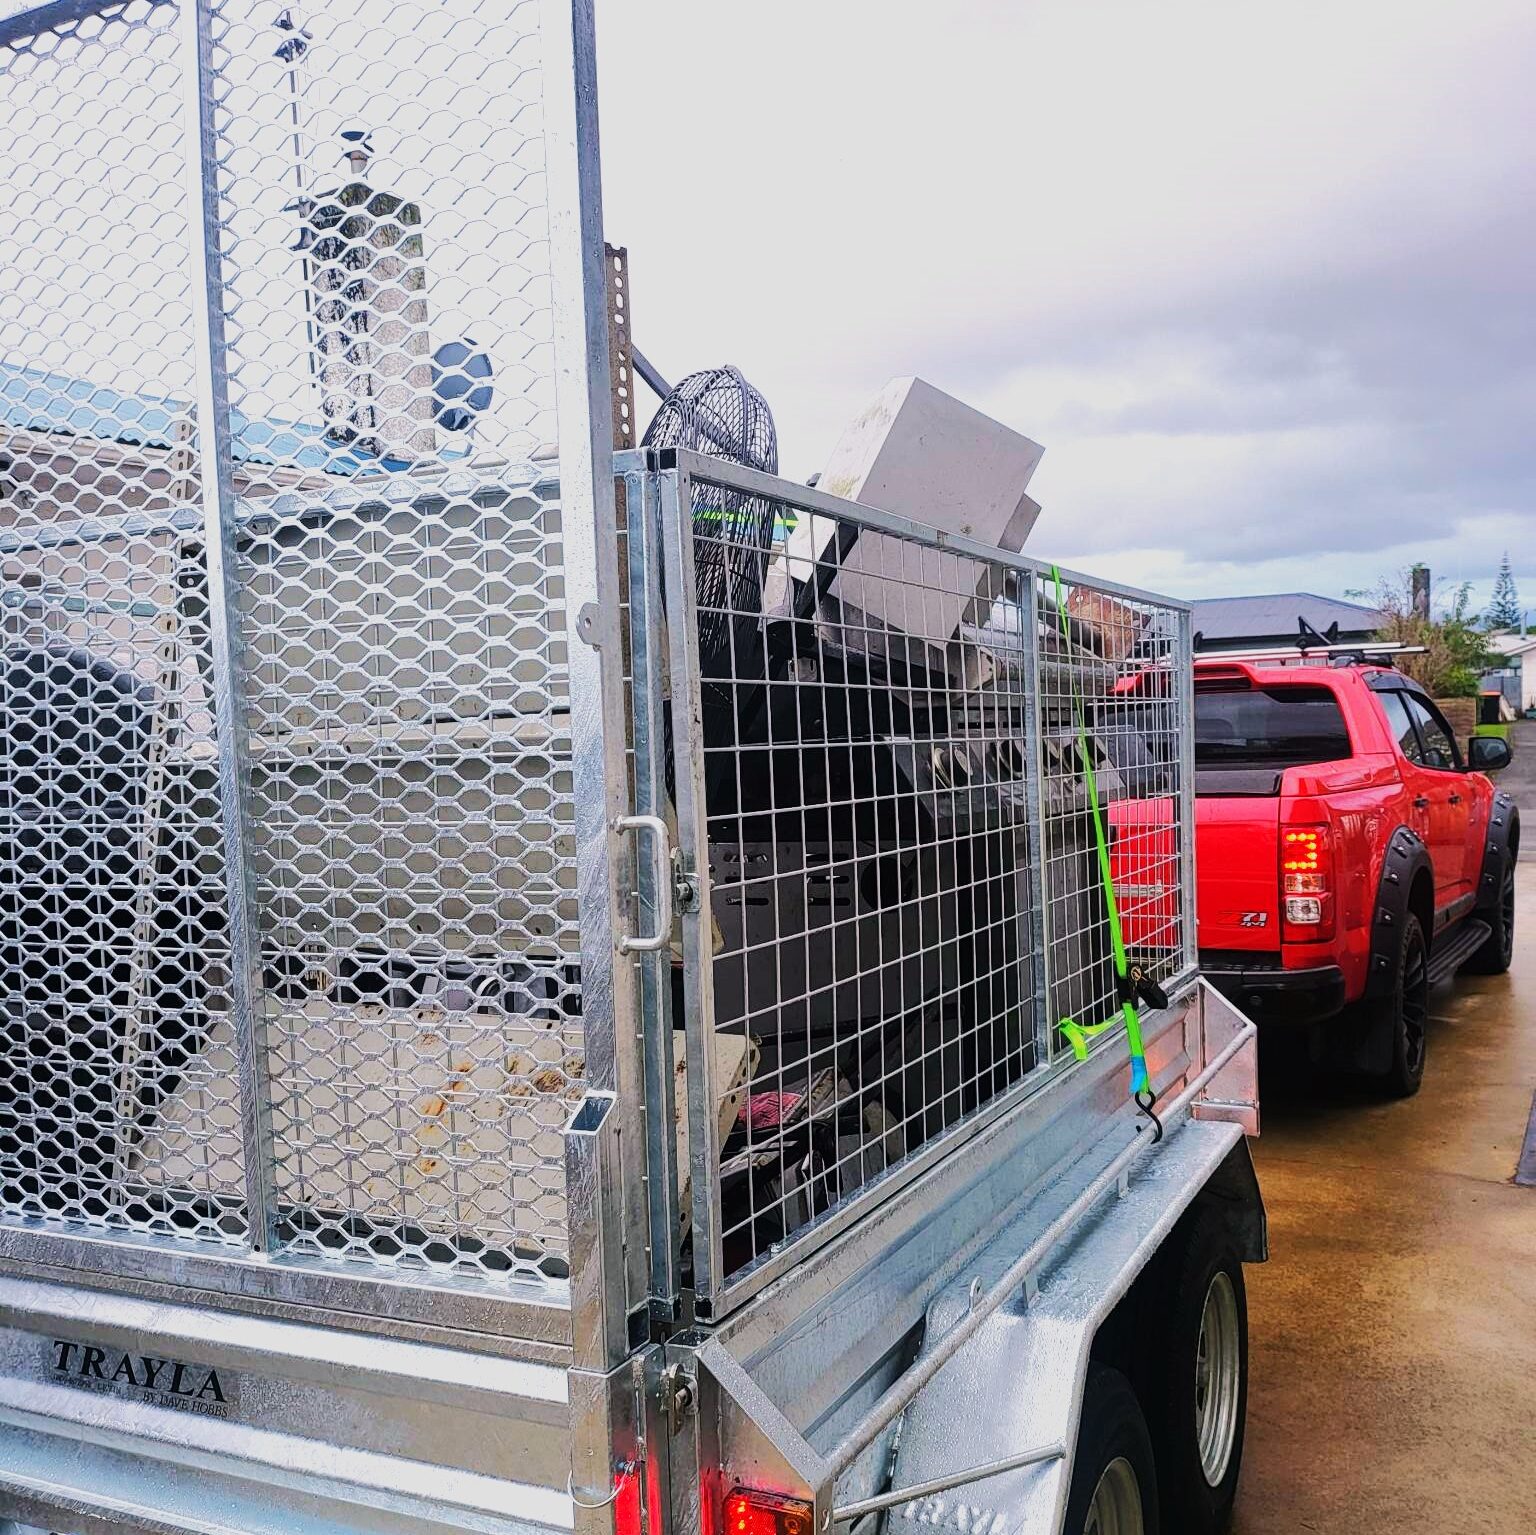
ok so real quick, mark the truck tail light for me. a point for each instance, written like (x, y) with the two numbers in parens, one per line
(1306, 884)
(751, 1512)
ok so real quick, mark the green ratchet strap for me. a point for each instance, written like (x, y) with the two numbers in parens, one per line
(1078, 1034)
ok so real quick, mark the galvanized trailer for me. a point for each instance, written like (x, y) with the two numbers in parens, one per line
(504, 1023)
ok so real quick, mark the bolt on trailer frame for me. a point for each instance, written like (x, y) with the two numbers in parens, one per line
(496, 951)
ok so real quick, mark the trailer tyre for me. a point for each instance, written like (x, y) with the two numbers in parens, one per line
(1195, 1382)
(1114, 1475)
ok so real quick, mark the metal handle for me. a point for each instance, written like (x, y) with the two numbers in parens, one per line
(1421, 802)
(663, 934)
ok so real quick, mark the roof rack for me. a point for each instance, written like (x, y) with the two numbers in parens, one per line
(1351, 653)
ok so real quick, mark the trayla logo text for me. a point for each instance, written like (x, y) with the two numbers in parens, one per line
(165, 1382)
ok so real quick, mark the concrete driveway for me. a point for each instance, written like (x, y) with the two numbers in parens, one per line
(1394, 1328)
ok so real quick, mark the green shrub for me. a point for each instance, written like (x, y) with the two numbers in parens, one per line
(1456, 651)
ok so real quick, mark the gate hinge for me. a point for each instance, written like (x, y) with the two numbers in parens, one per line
(685, 882)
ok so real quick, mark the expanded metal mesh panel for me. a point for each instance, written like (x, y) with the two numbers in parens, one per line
(391, 1083)
(388, 317)
(114, 970)
(384, 231)
(115, 964)
(407, 708)
(1114, 670)
(862, 750)
(96, 359)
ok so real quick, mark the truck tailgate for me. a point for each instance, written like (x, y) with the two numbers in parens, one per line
(1144, 864)
(1237, 863)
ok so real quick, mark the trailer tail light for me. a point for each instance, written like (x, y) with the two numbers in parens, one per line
(751, 1512)
(1306, 884)
(626, 1500)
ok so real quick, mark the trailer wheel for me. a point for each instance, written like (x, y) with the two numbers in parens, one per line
(1195, 1382)
(1114, 1476)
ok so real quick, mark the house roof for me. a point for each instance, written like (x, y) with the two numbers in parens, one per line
(1512, 644)
(1277, 614)
(56, 405)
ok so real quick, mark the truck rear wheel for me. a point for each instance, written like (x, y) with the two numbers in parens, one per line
(1402, 1016)
(1114, 1477)
(1195, 1382)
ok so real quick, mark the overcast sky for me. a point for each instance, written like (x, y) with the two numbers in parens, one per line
(1259, 276)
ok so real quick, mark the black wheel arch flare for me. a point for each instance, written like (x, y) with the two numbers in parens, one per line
(1503, 835)
(1405, 858)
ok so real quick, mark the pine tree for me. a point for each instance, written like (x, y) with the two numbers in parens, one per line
(1504, 609)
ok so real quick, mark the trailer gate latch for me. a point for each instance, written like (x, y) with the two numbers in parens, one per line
(677, 1396)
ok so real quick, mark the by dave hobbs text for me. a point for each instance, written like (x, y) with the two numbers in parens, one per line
(167, 1382)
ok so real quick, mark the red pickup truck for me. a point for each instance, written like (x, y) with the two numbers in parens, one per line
(1347, 854)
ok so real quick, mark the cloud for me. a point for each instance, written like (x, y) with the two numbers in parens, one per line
(1262, 279)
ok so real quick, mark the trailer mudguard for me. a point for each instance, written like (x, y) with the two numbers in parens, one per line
(1018, 1384)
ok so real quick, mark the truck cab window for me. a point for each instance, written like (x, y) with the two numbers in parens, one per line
(1439, 744)
(1400, 723)
(1286, 726)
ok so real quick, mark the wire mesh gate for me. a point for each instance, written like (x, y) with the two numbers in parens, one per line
(289, 800)
(881, 759)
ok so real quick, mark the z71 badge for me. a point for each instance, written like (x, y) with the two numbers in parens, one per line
(1253, 919)
(152, 1378)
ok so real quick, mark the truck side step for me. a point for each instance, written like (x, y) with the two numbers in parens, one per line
(1454, 950)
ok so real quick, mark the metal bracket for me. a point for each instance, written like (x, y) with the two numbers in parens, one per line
(1231, 1095)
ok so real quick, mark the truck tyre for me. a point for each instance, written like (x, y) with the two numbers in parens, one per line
(1498, 948)
(1114, 1477)
(1195, 1377)
(1402, 1015)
